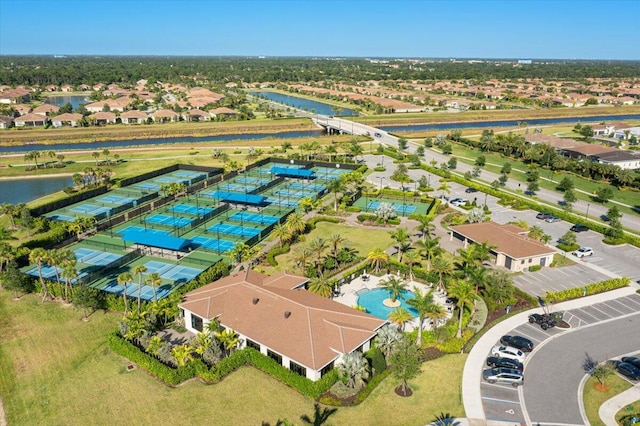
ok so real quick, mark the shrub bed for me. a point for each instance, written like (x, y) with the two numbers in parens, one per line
(276, 251)
(594, 288)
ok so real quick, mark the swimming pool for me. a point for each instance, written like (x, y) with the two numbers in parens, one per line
(371, 300)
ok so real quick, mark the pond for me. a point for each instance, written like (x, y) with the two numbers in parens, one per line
(304, 104)
(23, 190)
(74, 100)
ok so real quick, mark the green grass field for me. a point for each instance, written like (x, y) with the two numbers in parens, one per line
(57, 370)
(594, 398)
(635, 408)
(374, 238)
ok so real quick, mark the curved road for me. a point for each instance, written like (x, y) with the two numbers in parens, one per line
(555, 370)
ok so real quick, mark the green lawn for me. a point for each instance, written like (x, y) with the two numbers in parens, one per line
(594, 398)
(354, 235)
(635, 408)
(56, 370)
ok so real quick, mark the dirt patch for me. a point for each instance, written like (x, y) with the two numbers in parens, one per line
(403, 393)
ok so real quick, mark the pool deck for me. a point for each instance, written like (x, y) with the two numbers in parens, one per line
(349, 296)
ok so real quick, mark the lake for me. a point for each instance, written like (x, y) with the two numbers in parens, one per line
(75, 100)
(303, 104)
(25, 190)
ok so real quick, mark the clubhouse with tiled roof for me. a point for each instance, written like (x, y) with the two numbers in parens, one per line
(276, 315)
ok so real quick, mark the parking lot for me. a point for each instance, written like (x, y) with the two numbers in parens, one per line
(556, 279)
(504, 402)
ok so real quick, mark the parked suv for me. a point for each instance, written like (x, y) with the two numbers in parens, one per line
(503, 375)
(544, 321)
(583, 252)
(508, 352)
(543, 215)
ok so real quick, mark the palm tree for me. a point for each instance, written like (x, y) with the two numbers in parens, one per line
(443, 267)
(478, 276)
(435, 312)
(386, 339)
(463, 291)
(69, 273)
(106, 154)
(425, 226)
(318, 247)
(182, 354)
(139, 270)
(421, 303)
(335, 186)
(394, 285)
(466, 260)
(401, 237)
(282, 232)
(96, 155)
(377, 257)
(483, 251)
(228, 338)
(54, 259)
(39, 256)
(536, 232)
(320, 286)
(335, 241)
(354, 367)
(6, 255)
(430, 249)
(154, 280)
(331, 150)
(411, 258)
(124, 279)
(319, 417)
(296, 223)
(444, 188)
(400, 317)
(302, 258)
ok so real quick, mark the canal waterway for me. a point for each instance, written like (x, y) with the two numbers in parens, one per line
(74, 100)
(24, 190)
(304, 104)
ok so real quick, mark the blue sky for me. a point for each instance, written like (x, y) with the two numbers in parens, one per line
(488, 29)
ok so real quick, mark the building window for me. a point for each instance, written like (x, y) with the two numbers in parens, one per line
(196, 322)
(326, 369)
(298, 369)
(530, 260)
(252, 344)
(274, 356)
(522, 262)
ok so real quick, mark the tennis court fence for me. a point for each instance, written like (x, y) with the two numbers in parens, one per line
(104, 245)
(267, 186)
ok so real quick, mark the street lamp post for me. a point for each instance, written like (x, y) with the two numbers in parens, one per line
(586, 215)
(485, 199)
(381, 178)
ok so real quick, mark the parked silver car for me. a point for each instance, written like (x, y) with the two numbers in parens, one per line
(508, 376)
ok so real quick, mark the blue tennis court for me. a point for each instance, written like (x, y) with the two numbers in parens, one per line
(187, 174)
(236, 230)
(170, 271)
(48, 272)
(400, 208)
(90, 209)
(95, 257)
(170, 179)
(253, 181)
(283, 202)
(189, 209)
(254, 218)
(221, 246)
(139, 228)
(234, 187)
(161, 219)
(148, 186)
(307, 186)
(116, 199)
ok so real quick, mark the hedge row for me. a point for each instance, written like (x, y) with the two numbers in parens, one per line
(311, 224)
(594, 288)
(171, 376)
(276, 251)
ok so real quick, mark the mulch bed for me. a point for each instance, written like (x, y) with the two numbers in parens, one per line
(399, 391)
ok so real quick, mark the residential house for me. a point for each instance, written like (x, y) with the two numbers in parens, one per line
(66, 88)
(103, 118)
(625, 133)
(46, 109)
(275, 315)
(31, 120)
(164, 116)
(223, 112)
(624, 159)
(196, 115)
(6, 121)
(66, 119)
(134, 117)
(22, 109)
(512, 248)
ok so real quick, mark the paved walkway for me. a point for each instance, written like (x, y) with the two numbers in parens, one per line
(471, 394)
(609, 409)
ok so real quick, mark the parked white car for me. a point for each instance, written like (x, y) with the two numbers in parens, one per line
(508, 352)
(583, 252)
(458, 202)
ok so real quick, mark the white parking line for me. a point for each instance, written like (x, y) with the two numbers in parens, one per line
(635, 302)
(527, 336)
(501, 400)
(587, 313)
(496, 385)
(624, 307)
(610, 306)
(604, 313)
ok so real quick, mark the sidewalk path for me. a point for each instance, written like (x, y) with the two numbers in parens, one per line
(471, 395)
(610, 407)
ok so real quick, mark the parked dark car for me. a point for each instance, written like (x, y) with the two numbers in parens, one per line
(630, 371)
(496, 361)
(470, 190)
(517, 342)
(543, 215)
(543, 320)
(578, 228)
(635, 361)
